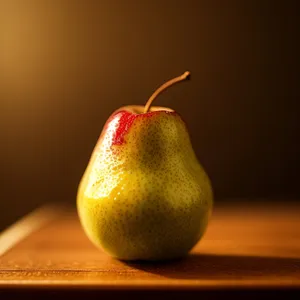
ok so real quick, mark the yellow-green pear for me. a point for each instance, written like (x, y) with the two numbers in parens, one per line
(144, 195)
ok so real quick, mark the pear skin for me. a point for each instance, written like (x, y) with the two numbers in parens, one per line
(144, 195)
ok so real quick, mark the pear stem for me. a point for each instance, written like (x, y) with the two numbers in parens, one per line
(186, 75)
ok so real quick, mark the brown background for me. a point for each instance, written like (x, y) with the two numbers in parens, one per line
(66, 65)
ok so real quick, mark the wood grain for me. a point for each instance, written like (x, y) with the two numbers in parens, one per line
(246, 246)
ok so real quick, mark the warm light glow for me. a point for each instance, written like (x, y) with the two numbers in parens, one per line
(100, 184)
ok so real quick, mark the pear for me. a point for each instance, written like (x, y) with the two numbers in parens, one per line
(144, 195)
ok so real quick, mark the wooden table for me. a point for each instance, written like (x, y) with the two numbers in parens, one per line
(248, 250)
